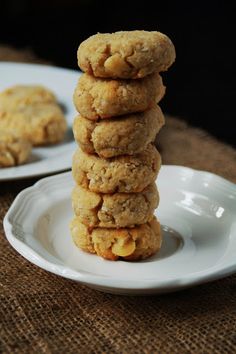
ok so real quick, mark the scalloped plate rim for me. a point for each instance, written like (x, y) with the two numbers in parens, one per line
(104, 282)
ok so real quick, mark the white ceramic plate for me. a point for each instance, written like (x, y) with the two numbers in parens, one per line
(49, 159)
(198, 216)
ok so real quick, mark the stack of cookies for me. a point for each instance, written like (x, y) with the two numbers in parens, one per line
(117, 164)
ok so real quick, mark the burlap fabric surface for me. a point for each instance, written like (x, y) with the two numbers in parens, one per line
(43, 313)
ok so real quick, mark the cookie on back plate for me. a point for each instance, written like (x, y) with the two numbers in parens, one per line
(20, 96)
(13, 150)
(33, 113)
(41, 124)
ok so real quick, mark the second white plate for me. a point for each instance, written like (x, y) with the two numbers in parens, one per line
(198, 216)
(48, 159)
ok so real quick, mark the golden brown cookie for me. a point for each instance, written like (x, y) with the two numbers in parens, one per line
(42, 123)
(96, 98)
(130, 244)
(126, 54)
(129, 134)
(13, 150)
(20, 96)
(114, 210)
(128, 174)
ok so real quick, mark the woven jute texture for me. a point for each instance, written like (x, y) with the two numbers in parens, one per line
(44, 313)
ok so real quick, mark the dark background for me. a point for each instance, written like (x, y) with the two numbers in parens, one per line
(200, 85)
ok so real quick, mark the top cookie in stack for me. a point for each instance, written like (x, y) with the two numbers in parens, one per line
(119, 118)
(126, 54)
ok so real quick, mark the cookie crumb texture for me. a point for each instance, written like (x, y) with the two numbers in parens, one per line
(126, 135)
(130, 244)
(96, 98)
(128, 174)
(126, 54)
(13, 150)
(114, 210)
(33, 114)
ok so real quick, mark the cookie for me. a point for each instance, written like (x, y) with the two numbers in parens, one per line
(41, 124)
(128, 174)
(129, 134)
(13, 150)
(96, 98)
(114, 210)
(20, 96)
(126, 54)
(130, 244)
